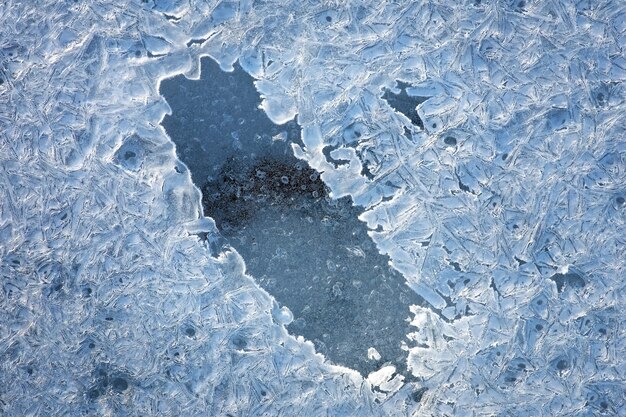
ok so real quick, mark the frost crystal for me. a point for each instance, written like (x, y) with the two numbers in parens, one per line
(504, 209)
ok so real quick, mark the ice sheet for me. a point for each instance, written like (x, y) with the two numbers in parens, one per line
(96, 210)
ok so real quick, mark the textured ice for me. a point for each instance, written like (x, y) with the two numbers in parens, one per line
(308, 251)
(112, 305)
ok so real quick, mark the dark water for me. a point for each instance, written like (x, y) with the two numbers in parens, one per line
(405, 104)
(309, 251)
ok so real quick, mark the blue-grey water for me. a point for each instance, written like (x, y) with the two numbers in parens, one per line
(309, 251)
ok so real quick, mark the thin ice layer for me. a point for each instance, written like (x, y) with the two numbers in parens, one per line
(531, 186)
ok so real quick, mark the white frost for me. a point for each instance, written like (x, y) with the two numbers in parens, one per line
(98, 219)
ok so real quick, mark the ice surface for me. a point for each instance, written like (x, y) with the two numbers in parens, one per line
(311, 253)
(99, 249)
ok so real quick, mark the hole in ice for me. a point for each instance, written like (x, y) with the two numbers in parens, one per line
(567, 280)
(309, 251)
(405, 103)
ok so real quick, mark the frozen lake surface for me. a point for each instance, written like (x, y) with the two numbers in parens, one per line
(309, 251)
(482, 143)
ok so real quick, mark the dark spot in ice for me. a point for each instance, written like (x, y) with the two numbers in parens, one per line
(418, 394)
(336, 162)
(129, 154)
(29, 370)
(190, 331)
(405, 104)
(539, 327)
(557, 118)
(91, 345)
(310, 252)
(620, 200)
(102, 375)
(504, 156)
(567, 280)
(239, 342)
(119, 384)
(450, 141)
(93, 393)
(365, 171)
(198, 41)
(462, 186)
(562, 365)
(329, 19)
